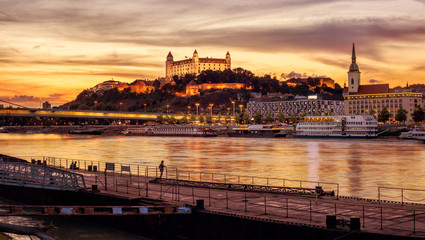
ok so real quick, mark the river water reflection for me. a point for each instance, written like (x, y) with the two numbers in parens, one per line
(359, 166)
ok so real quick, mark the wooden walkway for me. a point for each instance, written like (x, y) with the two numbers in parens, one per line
(375, 216)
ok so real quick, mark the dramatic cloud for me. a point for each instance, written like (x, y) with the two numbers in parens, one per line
(292, 75)
(374, 81)
(69, 45)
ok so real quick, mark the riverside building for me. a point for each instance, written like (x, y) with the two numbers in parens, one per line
(361, 99)
(195, 65)
(308, 106)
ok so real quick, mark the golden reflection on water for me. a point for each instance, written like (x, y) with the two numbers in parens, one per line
(359, 166)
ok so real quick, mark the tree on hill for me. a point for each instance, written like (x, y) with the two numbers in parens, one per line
(192, 119)
(384, 115)
(227, 119)
(258, 118)
(245, 117)
(401, 115)
(269, 118)
(201, 119)
(293, 118)
(372, 112)
(281, 117)
(208, 119)
(160, 118)
(238, 118)
(418, 115)
(184, 120)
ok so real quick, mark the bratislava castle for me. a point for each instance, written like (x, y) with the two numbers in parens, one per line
(195, 65)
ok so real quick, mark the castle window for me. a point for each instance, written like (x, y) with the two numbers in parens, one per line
(352, 81)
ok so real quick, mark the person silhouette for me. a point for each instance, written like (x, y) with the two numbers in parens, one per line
(161, 168)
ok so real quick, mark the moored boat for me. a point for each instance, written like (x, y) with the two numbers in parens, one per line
(356, 126)
(171, 130)
(266, 131)
(416, 134)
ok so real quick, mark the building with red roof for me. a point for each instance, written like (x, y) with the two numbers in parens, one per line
(372, 98)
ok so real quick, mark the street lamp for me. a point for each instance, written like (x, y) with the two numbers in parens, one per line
(188, 110)
(167, 108)
(233, 102)
(228, 109)
(240, 107)
(120, 106)
(211, 105)
(95, 102)
(197, 105)
(145, 106)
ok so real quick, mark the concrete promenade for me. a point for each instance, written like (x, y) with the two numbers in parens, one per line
(380, 217)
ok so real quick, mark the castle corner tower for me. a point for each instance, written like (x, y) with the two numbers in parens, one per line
(168, 64)
(353, 74)
(228, 60)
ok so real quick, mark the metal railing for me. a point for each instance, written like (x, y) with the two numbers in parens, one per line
(133, 170)
(147, 171)
(23, 174)
(253, 180)
(401, 194)
(314, 210)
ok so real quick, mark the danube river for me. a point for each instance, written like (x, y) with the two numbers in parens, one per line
(358, 166)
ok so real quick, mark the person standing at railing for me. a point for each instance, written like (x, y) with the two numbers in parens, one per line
(161, 168)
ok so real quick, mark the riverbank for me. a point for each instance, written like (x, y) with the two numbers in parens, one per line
(388, 130)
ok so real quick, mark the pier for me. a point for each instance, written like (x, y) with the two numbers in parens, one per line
(295, 203)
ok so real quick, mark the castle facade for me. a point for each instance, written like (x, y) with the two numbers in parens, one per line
(195, 65)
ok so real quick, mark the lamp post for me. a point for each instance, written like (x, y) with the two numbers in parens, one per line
(188, 110)
(120, 106)
(95, 102)
(228, 109)
(145, 106)
(211, 105)
(240, 107)
(197, 105)
(167, 108)
(234, 114)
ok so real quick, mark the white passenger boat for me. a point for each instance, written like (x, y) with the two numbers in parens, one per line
(417, 133)
(171, 130)
(356, 126)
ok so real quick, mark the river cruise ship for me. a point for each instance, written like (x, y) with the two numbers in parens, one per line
(356, 126)
(259, 131)
(171, 130)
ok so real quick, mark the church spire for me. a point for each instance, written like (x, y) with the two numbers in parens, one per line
(353, 74)
(353, 67)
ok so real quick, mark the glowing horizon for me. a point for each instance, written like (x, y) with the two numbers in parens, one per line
(52, 50)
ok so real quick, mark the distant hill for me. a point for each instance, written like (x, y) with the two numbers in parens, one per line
(157, 97)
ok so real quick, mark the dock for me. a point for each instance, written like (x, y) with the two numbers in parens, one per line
(298, 203)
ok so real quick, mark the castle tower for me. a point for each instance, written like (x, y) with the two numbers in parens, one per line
(228, 60)
(168, 63)
(195, 60)
(353, 74)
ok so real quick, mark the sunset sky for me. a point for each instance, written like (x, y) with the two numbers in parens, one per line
(52, 50)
